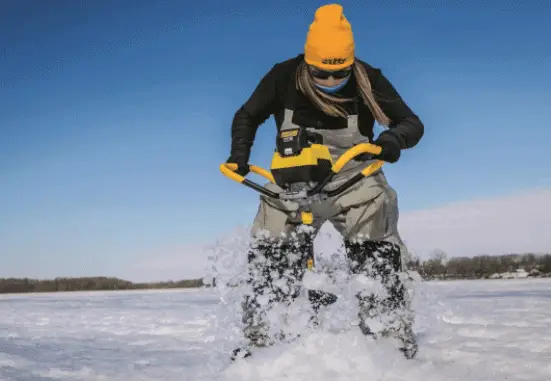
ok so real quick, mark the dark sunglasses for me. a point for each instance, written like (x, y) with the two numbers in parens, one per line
(325, 74)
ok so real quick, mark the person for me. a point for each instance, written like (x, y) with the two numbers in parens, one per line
(329, 91)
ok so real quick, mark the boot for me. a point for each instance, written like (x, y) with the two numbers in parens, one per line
(381, 260)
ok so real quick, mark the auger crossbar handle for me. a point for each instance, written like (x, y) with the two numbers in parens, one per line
(228, 169)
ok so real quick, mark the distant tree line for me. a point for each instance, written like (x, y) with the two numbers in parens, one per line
(439, 266)
(17, 285)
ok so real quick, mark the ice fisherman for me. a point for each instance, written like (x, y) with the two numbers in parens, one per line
(327, 89)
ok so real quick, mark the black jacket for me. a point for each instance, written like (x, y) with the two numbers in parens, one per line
(269, 98)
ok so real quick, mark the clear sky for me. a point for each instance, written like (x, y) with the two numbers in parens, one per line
(115, 115)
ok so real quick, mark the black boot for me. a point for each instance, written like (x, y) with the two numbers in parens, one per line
(269, 263)
(382, 261)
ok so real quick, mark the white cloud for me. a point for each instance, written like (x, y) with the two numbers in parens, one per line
(517, 223)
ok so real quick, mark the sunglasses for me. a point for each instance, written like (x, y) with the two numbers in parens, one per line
(325, 74)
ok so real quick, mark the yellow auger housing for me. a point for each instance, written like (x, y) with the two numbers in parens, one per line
(297, 159)
(312, 164)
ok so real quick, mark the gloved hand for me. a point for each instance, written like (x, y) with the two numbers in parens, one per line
(242, 167)
(390, 150)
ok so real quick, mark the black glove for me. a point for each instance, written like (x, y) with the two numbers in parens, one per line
(390, 149)
(390, 152)
(242, 166)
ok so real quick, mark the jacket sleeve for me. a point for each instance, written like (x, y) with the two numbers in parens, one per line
(405, 128)
(255, 111)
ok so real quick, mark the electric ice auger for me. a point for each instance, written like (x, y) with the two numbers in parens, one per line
(301, 166)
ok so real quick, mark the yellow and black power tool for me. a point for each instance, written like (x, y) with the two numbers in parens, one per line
(302, 166)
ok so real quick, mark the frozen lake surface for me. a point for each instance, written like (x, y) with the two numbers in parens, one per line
(468, 331)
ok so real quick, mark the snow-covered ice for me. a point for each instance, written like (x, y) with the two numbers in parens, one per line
(468, 330)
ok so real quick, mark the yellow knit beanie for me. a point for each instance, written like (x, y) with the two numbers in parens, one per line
(329, 42)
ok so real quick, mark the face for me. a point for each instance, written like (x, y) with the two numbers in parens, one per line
(329, 78)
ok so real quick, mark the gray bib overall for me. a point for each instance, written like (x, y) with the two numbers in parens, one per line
(337, 140)
(368, 210)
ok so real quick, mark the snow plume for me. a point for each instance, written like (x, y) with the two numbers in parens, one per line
(294, 322)
(226, 271)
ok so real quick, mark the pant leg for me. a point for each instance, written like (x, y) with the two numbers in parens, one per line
(369, 212)
(279, 246)
(277, 262)
(367, 217)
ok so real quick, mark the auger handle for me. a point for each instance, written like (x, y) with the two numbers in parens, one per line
(353, 152)
(228, 169)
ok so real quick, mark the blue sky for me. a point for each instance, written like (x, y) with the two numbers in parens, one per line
(115, 115)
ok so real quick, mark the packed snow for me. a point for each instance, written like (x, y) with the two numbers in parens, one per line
(467, 330)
